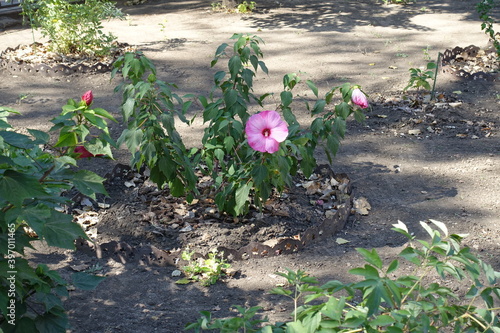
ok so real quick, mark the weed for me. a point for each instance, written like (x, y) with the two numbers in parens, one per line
(207, 271)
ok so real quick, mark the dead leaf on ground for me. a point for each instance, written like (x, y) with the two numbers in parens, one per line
(341, 241)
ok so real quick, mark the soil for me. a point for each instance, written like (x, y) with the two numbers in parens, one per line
(411, 160)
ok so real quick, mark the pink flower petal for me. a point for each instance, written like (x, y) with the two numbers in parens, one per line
(257, 143)
(272, 145)
(265, 130)
(280, 132)
(359, 98)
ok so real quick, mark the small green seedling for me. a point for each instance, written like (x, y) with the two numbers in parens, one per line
(206, 271)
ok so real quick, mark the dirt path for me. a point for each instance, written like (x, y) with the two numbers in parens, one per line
(451, 174)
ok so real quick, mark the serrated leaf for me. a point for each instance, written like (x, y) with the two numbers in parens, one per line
(382, 320)
(371, 257)
(52, 322)
(16, 186)
(68, 139)
(88, 183)
(16, 139)
(241, 197)
(85, 281)
(259, 174)
(235, 66)
(41, 137)
(60, 231)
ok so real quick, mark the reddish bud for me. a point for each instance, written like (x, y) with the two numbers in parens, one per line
(88, 97)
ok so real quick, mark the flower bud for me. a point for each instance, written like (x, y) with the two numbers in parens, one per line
(359, 98)
(88, 97)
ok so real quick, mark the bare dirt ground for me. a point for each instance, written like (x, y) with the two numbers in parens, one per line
(412, 164)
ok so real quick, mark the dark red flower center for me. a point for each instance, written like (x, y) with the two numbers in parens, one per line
(266, 132)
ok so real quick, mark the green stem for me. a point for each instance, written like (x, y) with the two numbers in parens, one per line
(433, 92)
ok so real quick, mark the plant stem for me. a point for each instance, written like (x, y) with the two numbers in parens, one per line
(435, 76)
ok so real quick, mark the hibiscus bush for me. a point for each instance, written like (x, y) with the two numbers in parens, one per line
(34, 173)
(248, 155)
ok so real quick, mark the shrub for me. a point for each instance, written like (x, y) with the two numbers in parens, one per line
(241, 175)
(32, 180)
(73, 27)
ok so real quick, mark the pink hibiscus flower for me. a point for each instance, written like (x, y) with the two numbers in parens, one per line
(88, 97)
(265, 131)
(359, 98)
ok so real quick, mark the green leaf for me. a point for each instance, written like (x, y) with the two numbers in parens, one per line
(60, 231)
(220, 50)
(319, 107)
(296, 327)
(132, 138)
(67, 139)
(103, 113)
(382, 320)
(235, 66)
(52, 322)
(241, 197)
(86, 281)
(177, 188)
(371, 257)
(89, 183)
(286, 98)
(230, 97)
(16, 186)
(431, 65)
(393, 266)
(333, 308)
(16, 139)
(333, 144)
(402, 229)
(41, 137)
(259, 174)
(128, 108)
(313, 87)
(410, 255)
(280, 291)
(263, 66)
(343, 110)
(36, 217)
(369, 272)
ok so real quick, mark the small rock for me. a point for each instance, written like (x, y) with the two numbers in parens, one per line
(176, 273)
(414, 132)
(187, 228)
(330, 214)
